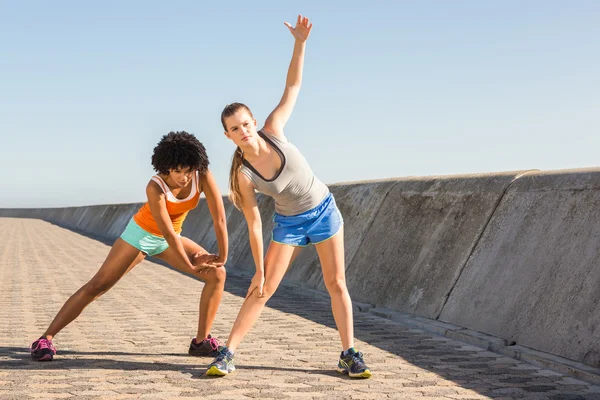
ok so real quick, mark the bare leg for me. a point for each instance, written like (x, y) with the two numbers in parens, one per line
(120, 260)
(331, 255)
(278, 259)
(214, 285)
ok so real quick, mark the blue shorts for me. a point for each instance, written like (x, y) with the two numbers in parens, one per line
(144, 241)
(313, 226)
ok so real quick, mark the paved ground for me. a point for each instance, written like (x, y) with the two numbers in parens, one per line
(132, 343)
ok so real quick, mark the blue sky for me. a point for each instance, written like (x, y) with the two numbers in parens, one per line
(391, 89)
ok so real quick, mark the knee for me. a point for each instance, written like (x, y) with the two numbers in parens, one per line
(336, 285)
(268, 292)
(220, 275)
(217, 276)
(97, 287)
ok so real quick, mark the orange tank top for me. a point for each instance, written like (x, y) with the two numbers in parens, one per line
(177, 208)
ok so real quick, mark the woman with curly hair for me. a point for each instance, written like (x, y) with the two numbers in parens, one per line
(183, 174)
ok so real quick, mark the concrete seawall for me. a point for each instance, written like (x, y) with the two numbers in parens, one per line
(515, 255)
(534, 277)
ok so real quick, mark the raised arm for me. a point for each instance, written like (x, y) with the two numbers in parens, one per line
(252, 216)
(280, 115)
(217, 211)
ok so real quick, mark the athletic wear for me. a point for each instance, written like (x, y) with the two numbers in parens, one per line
(295, 188)
(353, 364)
(208, 347)
(143, 233)
(313, 226)
(42, 350)
(140, 239)
(222, 364)
(177, 208)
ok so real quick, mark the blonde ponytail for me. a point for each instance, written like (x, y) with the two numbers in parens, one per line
(235, 194)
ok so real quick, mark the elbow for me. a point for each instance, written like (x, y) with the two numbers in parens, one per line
(255, 229)
(169, 236)
(294, 88)
(221, 223)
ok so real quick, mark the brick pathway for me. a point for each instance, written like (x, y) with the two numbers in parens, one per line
(132, 342)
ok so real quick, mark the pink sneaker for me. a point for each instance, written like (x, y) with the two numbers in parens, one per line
(42, 350)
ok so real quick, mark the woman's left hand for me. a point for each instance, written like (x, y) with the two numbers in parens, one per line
(219, 261)
(202, 262)
(302, 29)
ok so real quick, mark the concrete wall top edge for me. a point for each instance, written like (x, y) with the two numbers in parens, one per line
(430, 178)
(26, 209)
(580, 178)
(573, 179)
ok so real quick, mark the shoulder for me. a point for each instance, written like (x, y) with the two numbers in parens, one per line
(156, 186)
(247, 182)
(245, 175)
(247, 191)
(205, 177)
(274, 134)
(206, 181)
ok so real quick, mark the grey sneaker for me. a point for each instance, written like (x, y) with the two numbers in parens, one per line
(354, 365)
(223, 363)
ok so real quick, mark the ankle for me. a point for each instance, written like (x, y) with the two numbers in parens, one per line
(349, 351)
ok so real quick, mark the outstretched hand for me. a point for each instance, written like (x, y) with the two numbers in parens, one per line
(302, 29)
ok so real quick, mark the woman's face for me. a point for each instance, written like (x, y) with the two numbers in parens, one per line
(241, 128)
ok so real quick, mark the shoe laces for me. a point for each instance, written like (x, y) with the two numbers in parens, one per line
(357, 358)
(42, 343)
(214, 343)
(223, 351)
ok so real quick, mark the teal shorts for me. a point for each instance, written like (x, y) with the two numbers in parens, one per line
(142, 240)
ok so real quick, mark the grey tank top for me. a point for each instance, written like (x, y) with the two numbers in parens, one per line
(295, 188)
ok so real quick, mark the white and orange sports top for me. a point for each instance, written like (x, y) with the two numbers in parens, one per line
(177, 208)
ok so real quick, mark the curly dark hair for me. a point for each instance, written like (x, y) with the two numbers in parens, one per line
(179, 149)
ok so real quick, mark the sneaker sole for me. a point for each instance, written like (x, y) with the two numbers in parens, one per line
(364, 375)
(211, 354)
(45, 357)
(214, 371)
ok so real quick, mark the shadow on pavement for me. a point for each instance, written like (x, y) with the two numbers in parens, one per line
(467, 367)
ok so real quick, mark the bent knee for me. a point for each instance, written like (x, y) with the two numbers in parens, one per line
(336, 285)
(96, 287)
(216, 275)
(220, 274)
(268, 292)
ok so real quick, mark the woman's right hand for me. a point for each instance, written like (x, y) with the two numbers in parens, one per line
(302, 29)
(257, 284)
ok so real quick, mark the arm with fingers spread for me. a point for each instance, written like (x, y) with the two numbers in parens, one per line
(217, 211)
(252, 216)
(280, 115)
